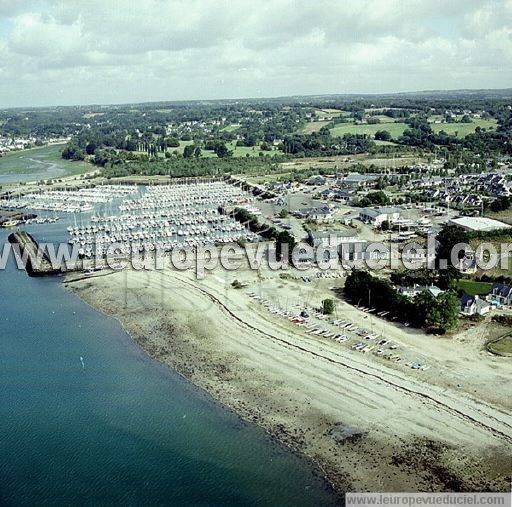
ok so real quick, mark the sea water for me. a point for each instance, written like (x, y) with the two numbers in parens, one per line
(86, 417)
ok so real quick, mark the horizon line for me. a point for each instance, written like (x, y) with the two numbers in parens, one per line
(267, 98)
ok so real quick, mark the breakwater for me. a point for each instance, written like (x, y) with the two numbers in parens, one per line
(36, 263)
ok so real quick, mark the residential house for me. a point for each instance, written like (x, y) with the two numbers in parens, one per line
(473, 305)
(321, 214)
(418, 289)
(501, 293)
(316, 180)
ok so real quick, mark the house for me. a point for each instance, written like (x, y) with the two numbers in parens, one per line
(320, 214)
(376, 216)
(473, 305)
(418, 289)
(434, 291)
(501, 293)
(343, 196)
(316, 180)
(468, 263)
(357, 180)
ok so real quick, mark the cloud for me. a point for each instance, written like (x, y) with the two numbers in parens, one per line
(122, 50)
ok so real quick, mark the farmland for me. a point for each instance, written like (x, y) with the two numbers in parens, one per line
(238, 151)
(395, 129)
(463, 129)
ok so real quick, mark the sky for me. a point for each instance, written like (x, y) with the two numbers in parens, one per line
(117, 51)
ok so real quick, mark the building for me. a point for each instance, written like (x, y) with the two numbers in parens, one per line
(321, 214)
(472, 224)
(418, 289)
(343, 196)
(316, 180)
(357, 180)
(501, 293)
(345, 244)
(473, 305)
(376, 216)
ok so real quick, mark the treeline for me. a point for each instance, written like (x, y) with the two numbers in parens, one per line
(435, 314)
(184, 167)
(323, 144)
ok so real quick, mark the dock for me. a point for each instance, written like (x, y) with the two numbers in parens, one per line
(29, 245)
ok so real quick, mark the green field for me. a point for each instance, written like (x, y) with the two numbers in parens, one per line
(44, 162)
(395, 129)
(230, 128)
(474, 288)
(463, 129)
(238, 151)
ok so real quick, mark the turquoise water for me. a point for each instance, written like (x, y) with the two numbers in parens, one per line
(119, 428)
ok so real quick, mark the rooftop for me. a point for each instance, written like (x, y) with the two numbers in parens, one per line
(479, 223)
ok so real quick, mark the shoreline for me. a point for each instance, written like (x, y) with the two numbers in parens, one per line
(232, 379)
(245, 418)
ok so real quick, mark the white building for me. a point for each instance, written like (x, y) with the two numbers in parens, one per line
(472, 224)
(376, 216)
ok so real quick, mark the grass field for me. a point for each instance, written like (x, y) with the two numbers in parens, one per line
(230, 128)
(313, 126)
(45, 162)
(463, 129)
(395, 129)
(238, 151)
(474, 288)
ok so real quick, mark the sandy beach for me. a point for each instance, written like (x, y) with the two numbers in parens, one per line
(369, 424)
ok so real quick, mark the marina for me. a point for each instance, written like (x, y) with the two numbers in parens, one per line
(165, 217)
(70, 201)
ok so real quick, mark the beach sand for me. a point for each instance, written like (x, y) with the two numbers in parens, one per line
(369, 425)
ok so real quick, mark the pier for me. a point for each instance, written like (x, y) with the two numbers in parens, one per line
(35, 263)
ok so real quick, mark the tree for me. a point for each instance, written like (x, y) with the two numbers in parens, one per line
(197, 152)
(500, 204)
(251, 139)
(172, 142)
(188, 151)
(382, 135)
(378, 198)
(73, 152)
(385, 226)
(328, 306)
(90, 148)
(283, 213)
(222, 151)
(131, 145)
(449, 306)
(439, 313)
(448, 237)
(284, 237)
